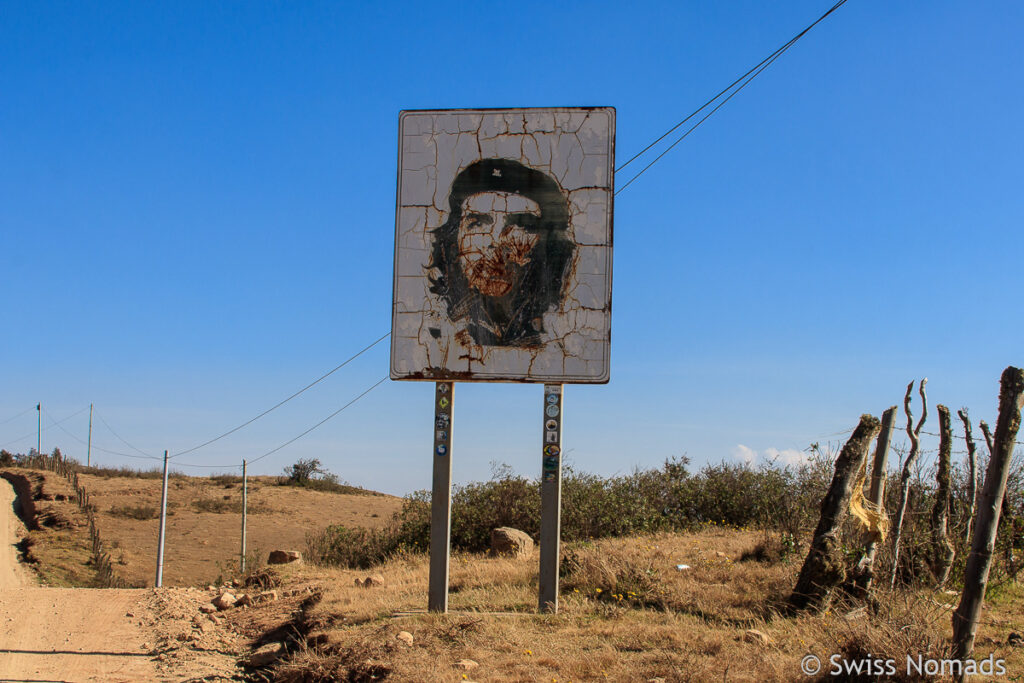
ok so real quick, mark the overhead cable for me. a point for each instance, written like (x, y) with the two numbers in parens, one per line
(278, 405)
(742, 82)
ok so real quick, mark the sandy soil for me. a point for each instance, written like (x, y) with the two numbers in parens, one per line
(77, 634)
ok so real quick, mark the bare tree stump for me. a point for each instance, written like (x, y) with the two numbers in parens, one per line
(942, 548)
(825, 566)
(864, 573)
(979, 562)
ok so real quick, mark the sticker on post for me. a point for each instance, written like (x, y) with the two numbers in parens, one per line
(442, 450)
(552, 450)
(551, 424)
(551, 411)
(442, 435)
(550, 477)
(443, 388)
(551, 437)
(442, 421)
(443, 403)
(552, 398)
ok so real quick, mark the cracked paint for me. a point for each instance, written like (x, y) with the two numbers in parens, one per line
(503, 246)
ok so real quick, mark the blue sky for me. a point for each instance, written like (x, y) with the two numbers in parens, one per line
(197, 219)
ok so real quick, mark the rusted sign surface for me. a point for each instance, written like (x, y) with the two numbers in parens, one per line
(503, 247)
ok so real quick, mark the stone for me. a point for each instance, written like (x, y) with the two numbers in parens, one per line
(208, 608)
(405, 637)
(266, 596)
(1015, 639)
(243, 600)
(466, 664)
(509, 542)
(369, 581)
(224, 601)
(757, 637)
(284, 556)
(267, 654)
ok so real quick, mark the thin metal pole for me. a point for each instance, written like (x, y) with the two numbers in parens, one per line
(39, 429)
(160, 538)
(550, 498)
(441, 498)
(245, 502)
(88, 448)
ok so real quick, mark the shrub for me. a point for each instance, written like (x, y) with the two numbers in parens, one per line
(141, 512)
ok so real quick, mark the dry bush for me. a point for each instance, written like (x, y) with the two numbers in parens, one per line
(140, 512)
(229, 505)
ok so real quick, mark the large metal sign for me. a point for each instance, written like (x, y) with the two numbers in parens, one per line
(503, 247)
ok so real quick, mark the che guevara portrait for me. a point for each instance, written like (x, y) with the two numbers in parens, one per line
(503, 245)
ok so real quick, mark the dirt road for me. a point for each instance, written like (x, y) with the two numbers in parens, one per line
(79, 634)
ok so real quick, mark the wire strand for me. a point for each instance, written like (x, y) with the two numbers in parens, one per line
(286, 443)
(134, 448)
(11, 419)
(278, 405)
(745, 79)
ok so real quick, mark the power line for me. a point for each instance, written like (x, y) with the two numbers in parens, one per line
(137, 450)
(55, 424)
(96, 447)
(744, 80)
(293, 440)
(320, 422)
(11, 419)
(275, 407)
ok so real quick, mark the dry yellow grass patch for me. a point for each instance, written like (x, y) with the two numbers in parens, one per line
(626, 614)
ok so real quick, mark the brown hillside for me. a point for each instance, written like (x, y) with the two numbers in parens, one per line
(204, 527)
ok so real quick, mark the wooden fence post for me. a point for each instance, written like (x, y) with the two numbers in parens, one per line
(908, 467)
(979, 562)
(864, 574)
(825, 566)
(942, 548)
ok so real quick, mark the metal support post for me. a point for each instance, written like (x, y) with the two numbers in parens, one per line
(163, 523)
(88, 447)
(245, 507)
(441, 498)
(550, 498)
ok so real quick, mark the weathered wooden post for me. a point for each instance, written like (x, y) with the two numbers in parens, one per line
(876, 496)
(914, 433)
(825, 566)
(979, 562)
(942, 548)
(972, 467)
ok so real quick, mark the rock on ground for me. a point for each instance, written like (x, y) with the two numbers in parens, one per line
(509, 542)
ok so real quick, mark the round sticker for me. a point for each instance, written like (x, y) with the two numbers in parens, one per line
(551, 425)
(442, 421)
(443, 388)
(442, 449)
(443, 403)
(551, 411)
(552, 450)
(552, 398)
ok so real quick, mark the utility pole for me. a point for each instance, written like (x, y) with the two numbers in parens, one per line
(88, 448)
(39, 429)
(160, 538)
(245, 495)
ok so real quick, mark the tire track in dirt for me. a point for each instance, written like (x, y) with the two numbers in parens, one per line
(80, 634)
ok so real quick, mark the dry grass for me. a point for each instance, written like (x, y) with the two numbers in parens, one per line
(626, 614)
(204, 522)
